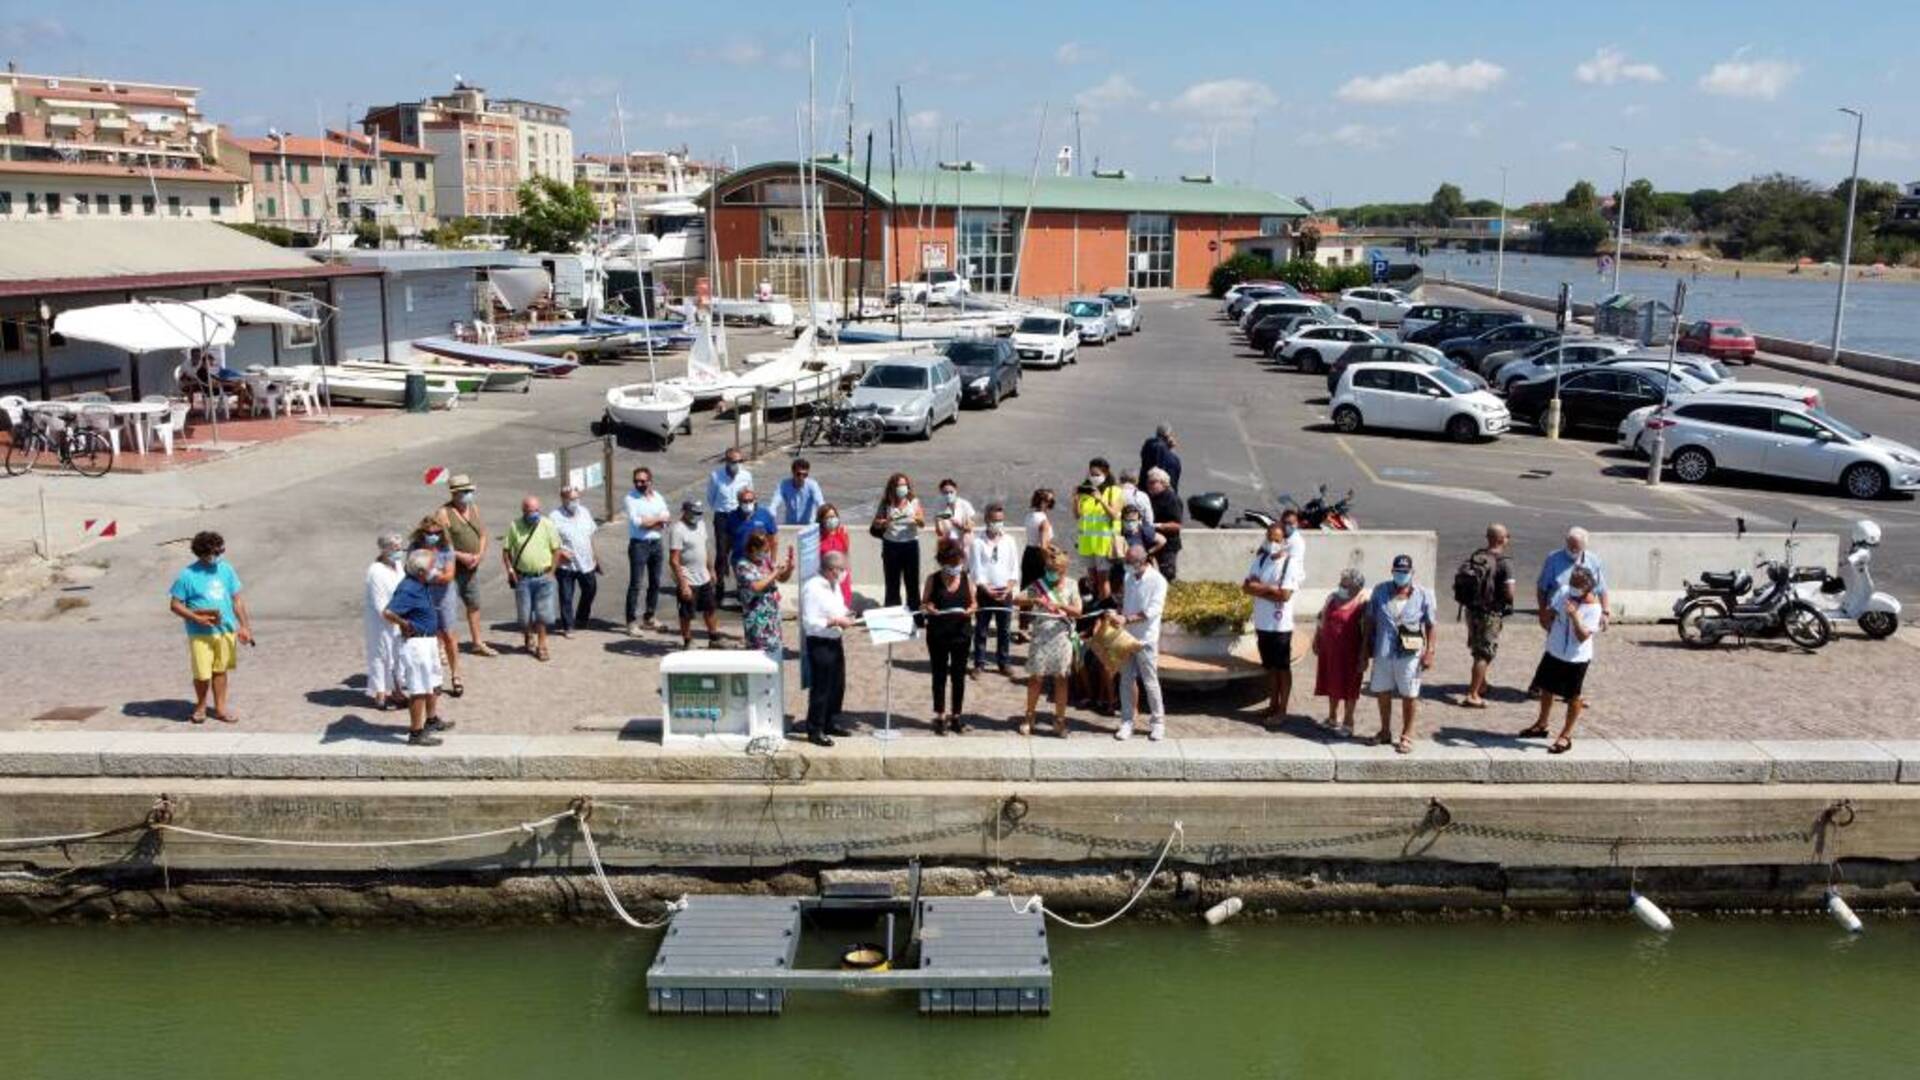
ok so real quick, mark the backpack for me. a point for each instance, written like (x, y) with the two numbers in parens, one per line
(1473, 582)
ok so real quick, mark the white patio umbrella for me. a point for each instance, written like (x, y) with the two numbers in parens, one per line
(254, 311)
(144, 326)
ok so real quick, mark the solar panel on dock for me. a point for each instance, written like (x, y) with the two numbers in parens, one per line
(985, 934)
(720, 934)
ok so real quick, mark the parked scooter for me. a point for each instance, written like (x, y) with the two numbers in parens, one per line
(1318, 513)
(1718, 605)
(1850, 596)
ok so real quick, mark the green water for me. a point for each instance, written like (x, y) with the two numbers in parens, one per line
(1582, 998)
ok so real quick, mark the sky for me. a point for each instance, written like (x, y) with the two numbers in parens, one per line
(1339, 103)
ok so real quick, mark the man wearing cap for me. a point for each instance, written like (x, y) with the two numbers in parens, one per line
(647, 517)
(723, 502)
(578, 574)
(692, 573)
(1399, 624)
(460, 517)
(531, 551)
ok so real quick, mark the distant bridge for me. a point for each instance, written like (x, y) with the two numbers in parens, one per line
(1426, 233)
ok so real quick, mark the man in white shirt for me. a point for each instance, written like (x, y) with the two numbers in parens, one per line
(993, 561)
(724, 486)
(1140, 609)
(579, 574)
(823, 615)
(647, 515)
(1130, 487)
(1274, 577)
(955, 516)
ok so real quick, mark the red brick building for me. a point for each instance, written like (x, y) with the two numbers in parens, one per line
(1083, 233)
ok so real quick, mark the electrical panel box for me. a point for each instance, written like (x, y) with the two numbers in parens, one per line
(729, 697)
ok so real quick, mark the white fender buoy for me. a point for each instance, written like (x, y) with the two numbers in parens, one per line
(1224, 910)
(1843, 914)
(1649, 913)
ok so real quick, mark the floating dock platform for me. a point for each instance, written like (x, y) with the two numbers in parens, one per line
(734, 955)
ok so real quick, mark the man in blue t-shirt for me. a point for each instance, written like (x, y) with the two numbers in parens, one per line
(206, 596)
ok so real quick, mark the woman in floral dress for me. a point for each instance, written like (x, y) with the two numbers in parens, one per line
(760, 582)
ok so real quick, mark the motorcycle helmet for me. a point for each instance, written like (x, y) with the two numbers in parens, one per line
(1866, 534)
(1208, 508)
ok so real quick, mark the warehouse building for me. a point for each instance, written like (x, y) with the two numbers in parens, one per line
(1071, 235)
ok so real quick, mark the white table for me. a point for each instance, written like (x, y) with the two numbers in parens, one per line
(141, 417)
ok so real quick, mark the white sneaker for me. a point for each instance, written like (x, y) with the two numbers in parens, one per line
(1125, 732)
(1157, 730)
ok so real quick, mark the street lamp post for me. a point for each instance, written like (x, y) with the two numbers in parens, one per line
(1500, 256)
(1846, 245)
(1619, 217)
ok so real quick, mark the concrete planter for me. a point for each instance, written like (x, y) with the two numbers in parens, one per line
(1175, 641)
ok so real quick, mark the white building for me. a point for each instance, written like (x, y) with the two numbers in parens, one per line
(546, 141)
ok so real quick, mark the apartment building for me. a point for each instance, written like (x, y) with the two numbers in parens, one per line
(649, 176)
(546, 140)
(73, 148)
(317, 185)
(475, 144)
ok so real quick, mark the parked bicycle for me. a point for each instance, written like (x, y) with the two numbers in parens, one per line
(843, 425)
(84, 450)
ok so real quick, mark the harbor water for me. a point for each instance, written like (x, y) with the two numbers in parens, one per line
(1577, 997)
(1883, 315)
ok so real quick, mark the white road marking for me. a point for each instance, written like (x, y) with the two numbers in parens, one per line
(1755, 519)
(1615, 510)
(1485, 498)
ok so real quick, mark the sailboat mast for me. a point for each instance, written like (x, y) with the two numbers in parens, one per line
(640, 281)
(1033, 181)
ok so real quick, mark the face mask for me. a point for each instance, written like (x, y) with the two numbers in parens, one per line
(1051, 577)
(1275, 547)
(465, 498)
(642, 485)
(1402, 578)
(532, 517)
(1341, 592)
(994, 527)
(733, 468)
(746, 504)
(690, 519)
(571, 506)
(394, 556)
(432, 539)
(1096, 479)
(950, 571)
(949, 496)
(900, 491)
(831, 523)
(1287, 530)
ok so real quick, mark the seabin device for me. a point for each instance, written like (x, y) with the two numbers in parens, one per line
(728, 697)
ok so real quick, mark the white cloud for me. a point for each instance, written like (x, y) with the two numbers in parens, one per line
(1070, 52)
(1609, 66)
(1871, 148)
(1193, 142)
(678, 121)
(924, 120)
(1474, 129)
(1744, 78)
(1351, 136)
(1436, 81)
(1716, 151)
(1114, 91)
(1222, 100)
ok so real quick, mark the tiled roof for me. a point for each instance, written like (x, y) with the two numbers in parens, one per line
(127, 97)
(87, 168)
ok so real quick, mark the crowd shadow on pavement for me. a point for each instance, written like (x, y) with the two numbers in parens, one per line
(179, 710)
(1480, 739)
(344, 696)
(357, 729)
(641, 647)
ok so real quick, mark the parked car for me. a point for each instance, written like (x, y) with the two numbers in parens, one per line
(1314, 346)
(1709, 376)
(1412, 397)
(1248, 295)
(989, 369)
(1374, 305)
(1722, 339)
(1271, 330)
(1095, 318)
(1492, 361)
(1596, 397)
(1566, 354)
(1233, 292)
(1461, 324)
(1709, 432)
(929, 287)
(1126, 309)
(911, 394)
(1047, 339)
(1469, 351)
(1421, 316)
(1425, 356)
(1279, 305)
(1634, 426)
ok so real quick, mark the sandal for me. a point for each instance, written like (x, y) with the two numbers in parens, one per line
(1026, 726)
(1560, 745)
(226, 717)
(1473, 703)
(456, 689)
(541, 654)
(1385, 738)
(1534, 732)
(1404, 746)
(483, 649)
(199, 716)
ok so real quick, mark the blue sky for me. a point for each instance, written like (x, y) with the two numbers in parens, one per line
(1352, 102)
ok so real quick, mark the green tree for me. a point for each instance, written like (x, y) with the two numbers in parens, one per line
(1306, 242)
(1447, 203)
(553, 216)
(1639, 205)
(1582, 198)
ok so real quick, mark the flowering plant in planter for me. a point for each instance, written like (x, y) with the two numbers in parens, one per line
(1208, 608)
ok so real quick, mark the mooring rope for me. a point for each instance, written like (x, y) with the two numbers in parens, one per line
(1035, 903)
(525, 827)
(606, 886)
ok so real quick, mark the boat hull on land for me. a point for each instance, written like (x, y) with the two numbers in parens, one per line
(472, 353)
(655, 409)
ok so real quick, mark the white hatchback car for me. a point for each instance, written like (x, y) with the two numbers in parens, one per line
(1374, 305)
(1413, 397)
(1047, 339)
(1312, 348)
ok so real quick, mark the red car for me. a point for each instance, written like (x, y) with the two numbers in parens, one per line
(1721, 339)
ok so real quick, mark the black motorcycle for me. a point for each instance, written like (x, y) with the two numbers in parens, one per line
(1320, 513)
(1722, 605)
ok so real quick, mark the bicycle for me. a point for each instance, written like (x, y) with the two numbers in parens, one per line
(842, 425)
(84, 450)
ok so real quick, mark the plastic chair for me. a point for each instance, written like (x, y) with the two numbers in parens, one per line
(101, 418)
(261, 392)
(303, 391)
(174, 424)
(14, 408)
(92, 397)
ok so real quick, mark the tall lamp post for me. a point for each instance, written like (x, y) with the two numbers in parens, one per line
(1846, 246)
(1619, 217)
(1500, 256)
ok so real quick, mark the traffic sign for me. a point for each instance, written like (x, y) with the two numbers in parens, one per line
(1380, 268)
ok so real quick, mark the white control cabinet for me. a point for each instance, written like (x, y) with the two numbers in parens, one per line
(723, 696)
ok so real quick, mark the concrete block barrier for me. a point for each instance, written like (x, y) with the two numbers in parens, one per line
(1646, 572)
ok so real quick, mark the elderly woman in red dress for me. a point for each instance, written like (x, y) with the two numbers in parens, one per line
(1340, 648)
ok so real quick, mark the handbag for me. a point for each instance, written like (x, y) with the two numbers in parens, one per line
(1412, 638)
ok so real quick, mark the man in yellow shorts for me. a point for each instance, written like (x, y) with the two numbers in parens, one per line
(207, 598)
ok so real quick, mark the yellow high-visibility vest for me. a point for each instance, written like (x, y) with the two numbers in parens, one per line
(1099, 523)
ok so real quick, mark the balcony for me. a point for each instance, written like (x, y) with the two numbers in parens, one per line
(63, 120)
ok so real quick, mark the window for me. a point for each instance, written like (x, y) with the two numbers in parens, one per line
(423, 203)
(101, 204)
(393, 169)
(303, 172)
(13, 332)
(1750, 417)
(266, 171)
(6, 203)
(306, 208)
(1786, 423)
(419, 170)
(1273, 226)
(33, 202)
(989, 246)
(213, 205)
(400, 202)
(126, 206)
(273, 207)
(340, 173)
(79, 204)
(1372, 379)
(1150, 251)
(784, 234)
(173, 205)
(53, 203)
(366, 175)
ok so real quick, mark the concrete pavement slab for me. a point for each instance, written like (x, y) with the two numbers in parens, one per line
(587, 757)
(270, 755)
(50, 753)
(207, 752)
(1429, 762)
(1591, 760)
(469, 757)
(1093, 756)
(968, 757)
(1256, 759)
(1907, 753)
(1696, 761)
(1817, 761)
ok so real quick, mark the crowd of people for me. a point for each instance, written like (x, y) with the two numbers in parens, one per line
(1095, 636)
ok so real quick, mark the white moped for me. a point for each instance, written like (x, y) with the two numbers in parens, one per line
(1850, 597)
